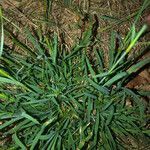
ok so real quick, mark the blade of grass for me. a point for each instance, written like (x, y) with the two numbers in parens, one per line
(110, 116)
(111, 49)
(10, 122)
(90, 68)
(111, 138)
(98, 87)
(96, 128)
(132, 43)
(115, 78)
(18, 142)
(36, 139)
(54, 51)
(99, 58)
(25, 115)
(4, 73)
(34, 41)
(137, 100)
(138, 65)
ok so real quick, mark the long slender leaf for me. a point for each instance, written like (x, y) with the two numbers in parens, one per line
(98, 87)
(115, 78)
(138, 65)
(6, 124)
(18, 142)
(24, 114)
(137, 101)
(90, 68)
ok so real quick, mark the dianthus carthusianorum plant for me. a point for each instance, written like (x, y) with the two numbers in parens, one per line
(52, 99)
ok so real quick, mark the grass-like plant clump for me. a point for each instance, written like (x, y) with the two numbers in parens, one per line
(55, 99)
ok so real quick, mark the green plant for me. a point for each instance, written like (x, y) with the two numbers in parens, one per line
(55, 99)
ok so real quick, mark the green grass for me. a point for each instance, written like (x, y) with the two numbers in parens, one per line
(55, 99)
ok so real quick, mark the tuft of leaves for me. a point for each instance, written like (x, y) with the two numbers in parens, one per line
(55, 99)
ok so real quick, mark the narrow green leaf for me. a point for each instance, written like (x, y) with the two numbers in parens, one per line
(76, 49)
(147, 132)
(90, 95)
(112, 49)
(25, 115)
(71, 142)
(54, 51)
(137, 100)
(18, 127)
(4, 73)
(48, 136)
(59, 142)
(133, 42)
(34, 42)
(133, 32)
(18, 142)
(90, 68)
(38, 136)
(53, 142)
(86, 37)
(99, 58)
(8, 123)
(109, 18)
(36, 139)
(98, 87)
(89, 109)
(107, 105)
(83, 141)
(96, 128)
(110, 115)
(104, 74)
(145, 5)
(110, 138)
(138, 65)
(115, 78)
(10, 81)
(48, 5)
